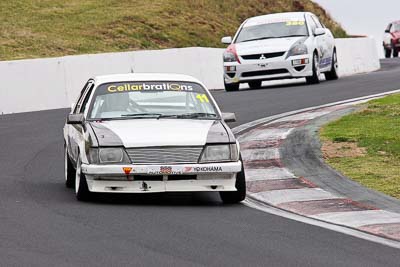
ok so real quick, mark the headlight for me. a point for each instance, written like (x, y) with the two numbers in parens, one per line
(296, 50)
(229, 57)
(109, 155)
(218, 153)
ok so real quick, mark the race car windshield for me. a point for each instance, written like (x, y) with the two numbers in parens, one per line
(272, 30)
(143, 100)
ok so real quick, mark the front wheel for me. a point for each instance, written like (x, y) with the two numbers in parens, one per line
(388, 53)
(81, 188)
(395, 52)
(233, 197)
(230, 87)
(69, 170)
(314, 79)
(333, 73)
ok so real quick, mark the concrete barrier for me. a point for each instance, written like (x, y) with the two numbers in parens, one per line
(50, 83)
(357, 55)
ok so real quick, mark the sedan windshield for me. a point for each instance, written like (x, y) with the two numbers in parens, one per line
(139, 100)
(272, 30)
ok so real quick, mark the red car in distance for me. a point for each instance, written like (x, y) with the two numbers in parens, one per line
(391, 40)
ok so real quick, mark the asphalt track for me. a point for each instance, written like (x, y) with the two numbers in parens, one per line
(41, 223)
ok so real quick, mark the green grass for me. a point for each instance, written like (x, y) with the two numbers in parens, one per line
(45, 28)
(377, 128)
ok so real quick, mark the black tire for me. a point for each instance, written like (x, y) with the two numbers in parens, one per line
(69, 170)
(231, 87)
(255, 84)
(388, 53)
(395, 52)
(333, 73)
(233, 197)
(314, 79)
(81, 188)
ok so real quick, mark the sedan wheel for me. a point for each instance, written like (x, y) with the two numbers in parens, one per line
(314, 79)
(69, 171)
(81, 188)
(332, 74)
(239, 195)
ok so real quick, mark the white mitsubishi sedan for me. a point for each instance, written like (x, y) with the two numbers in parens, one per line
(279, 46)
(146, 133)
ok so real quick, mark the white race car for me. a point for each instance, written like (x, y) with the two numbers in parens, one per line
(146, 133)
(279, 46)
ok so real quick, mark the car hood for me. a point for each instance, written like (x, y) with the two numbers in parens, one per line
(266, 46)
(160, 132)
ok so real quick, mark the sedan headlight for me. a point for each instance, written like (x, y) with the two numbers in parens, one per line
(298, 49)
(109, 155)
(229, 57)
(218, 153)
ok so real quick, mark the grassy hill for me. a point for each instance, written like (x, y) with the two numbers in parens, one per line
(46, 28)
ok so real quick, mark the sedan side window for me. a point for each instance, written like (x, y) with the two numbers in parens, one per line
(79, 105)
(317, 22)
(81, 94)
(313, 25)
(86, 98)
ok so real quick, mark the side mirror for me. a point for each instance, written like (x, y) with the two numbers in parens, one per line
(226, 40)
(75, 119)
(229, 117)
(319, 31)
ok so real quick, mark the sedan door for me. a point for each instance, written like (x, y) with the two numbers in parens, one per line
(75, 132)
(325, 44)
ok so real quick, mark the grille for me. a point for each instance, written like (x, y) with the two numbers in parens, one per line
(164, 155)
(266, 55)
(264, 72)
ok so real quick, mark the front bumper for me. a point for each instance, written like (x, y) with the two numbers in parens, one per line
(269, 69)
(162, 178)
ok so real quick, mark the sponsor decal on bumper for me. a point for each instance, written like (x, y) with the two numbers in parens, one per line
(226, 167)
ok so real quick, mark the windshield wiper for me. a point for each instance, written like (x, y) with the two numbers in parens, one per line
(178, 116)
(294, 35)
(196, 115)
(142, 115)
(257, 39)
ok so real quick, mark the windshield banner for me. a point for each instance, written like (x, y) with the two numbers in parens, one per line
(121, 87)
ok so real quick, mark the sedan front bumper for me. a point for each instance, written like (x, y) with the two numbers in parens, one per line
(270, 69)
(162, 178)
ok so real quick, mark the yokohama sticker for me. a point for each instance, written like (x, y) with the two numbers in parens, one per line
(208, 169)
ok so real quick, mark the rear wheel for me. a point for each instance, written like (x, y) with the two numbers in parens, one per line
(388, 53)
(255, 84)
(69, 170)
(314, 79)
(233, 197)
(229, 87)
(81, 188)
(333, 73)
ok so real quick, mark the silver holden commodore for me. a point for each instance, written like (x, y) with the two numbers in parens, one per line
(146, 133)
(279, 46)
